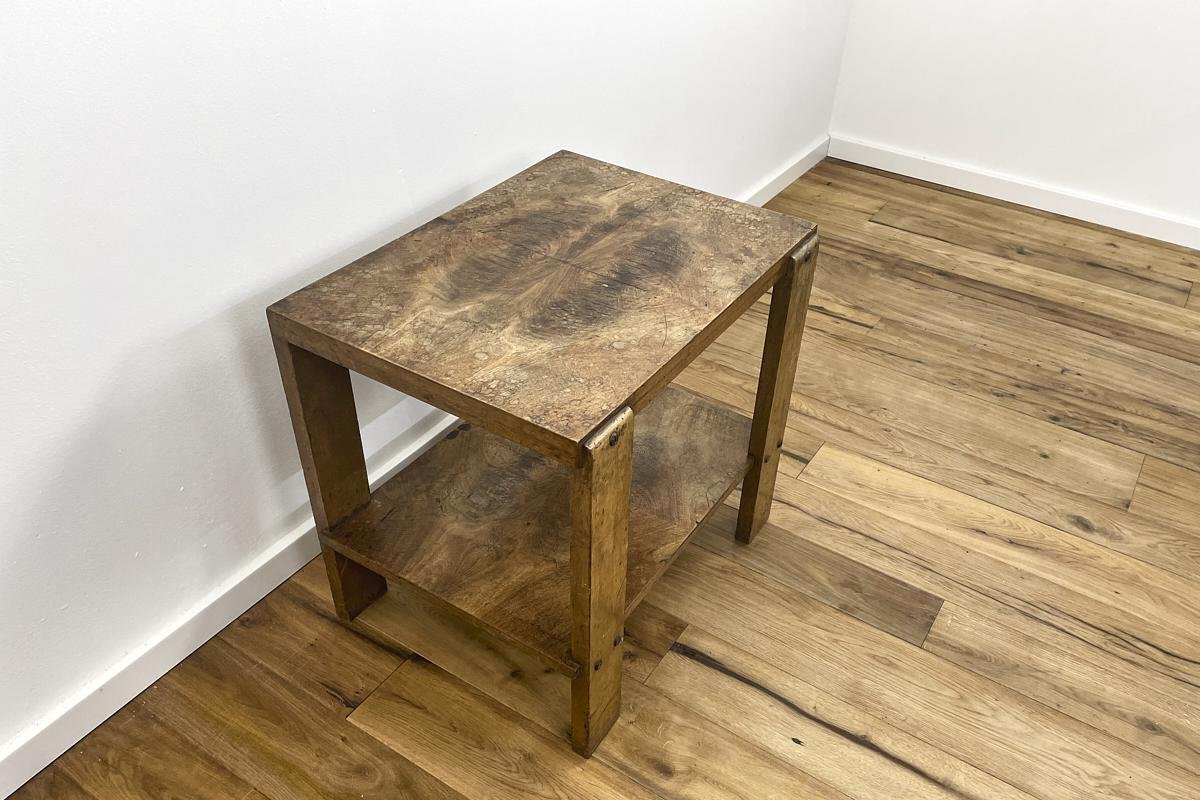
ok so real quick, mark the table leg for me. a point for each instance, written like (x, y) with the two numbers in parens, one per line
(785, 326)
(321, 403)
(599, 550)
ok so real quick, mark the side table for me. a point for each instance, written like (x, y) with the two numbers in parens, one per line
(550, 313)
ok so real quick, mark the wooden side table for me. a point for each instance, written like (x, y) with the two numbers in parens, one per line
(549, 313)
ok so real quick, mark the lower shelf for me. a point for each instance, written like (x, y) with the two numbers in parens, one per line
(483, 525)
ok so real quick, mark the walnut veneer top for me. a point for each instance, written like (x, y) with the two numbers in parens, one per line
(550, 301)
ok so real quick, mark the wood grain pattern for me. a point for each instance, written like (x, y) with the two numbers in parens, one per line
(833, 740)
(1113, 696)
(1170, 493)
(477, 746)
(1117, 594)
(1080, 636)
(864, 593)
(657, 750)
(968, 232)
(978, 473)
(1040, 450)
(1023, 743)
(484, 526)
(277, 736)
(541, 307)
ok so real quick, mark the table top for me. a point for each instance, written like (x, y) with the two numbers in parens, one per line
(550, 301)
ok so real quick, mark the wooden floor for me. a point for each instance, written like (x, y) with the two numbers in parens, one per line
(980, 579)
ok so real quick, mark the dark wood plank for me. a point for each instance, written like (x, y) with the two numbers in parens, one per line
(777, 372)
(52, 783)
(135, 755)
(483, 525)
(867, 594)
(299, 637)
(496, 310)
(277, 736)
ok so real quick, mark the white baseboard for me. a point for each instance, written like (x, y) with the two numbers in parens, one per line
(1057, 200)
(788, 172)
(102, 697)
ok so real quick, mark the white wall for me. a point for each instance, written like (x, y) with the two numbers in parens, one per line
(1086, 108)
(167, 170)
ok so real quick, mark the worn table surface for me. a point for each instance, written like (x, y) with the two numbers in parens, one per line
(549, 301)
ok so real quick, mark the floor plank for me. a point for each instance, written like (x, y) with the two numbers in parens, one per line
(657, 748)
(968, 231)
(1155, 609)
(1168, 492)
(279, 737)
(1035, 749)
(137, 756)
(1112, 698)
(1022, 223)
(864, 593)
(861, 755)
(1162, 543)
(479, 747)
(1048, 452)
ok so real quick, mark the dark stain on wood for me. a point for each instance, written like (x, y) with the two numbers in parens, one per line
(860, 739)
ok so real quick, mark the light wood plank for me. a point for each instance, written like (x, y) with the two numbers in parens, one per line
(477, 746)
(1149, 324)
(1055, 617)
(1158, 608)
(484, 749)
(862, 756)
(1042, 450)
(1022, 223)
(1033, 748)
(1170, 493)
(1048, 392)
(1174, 548)
(298, 636)
(137, 756)
(938, 223)
(1113, 698)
